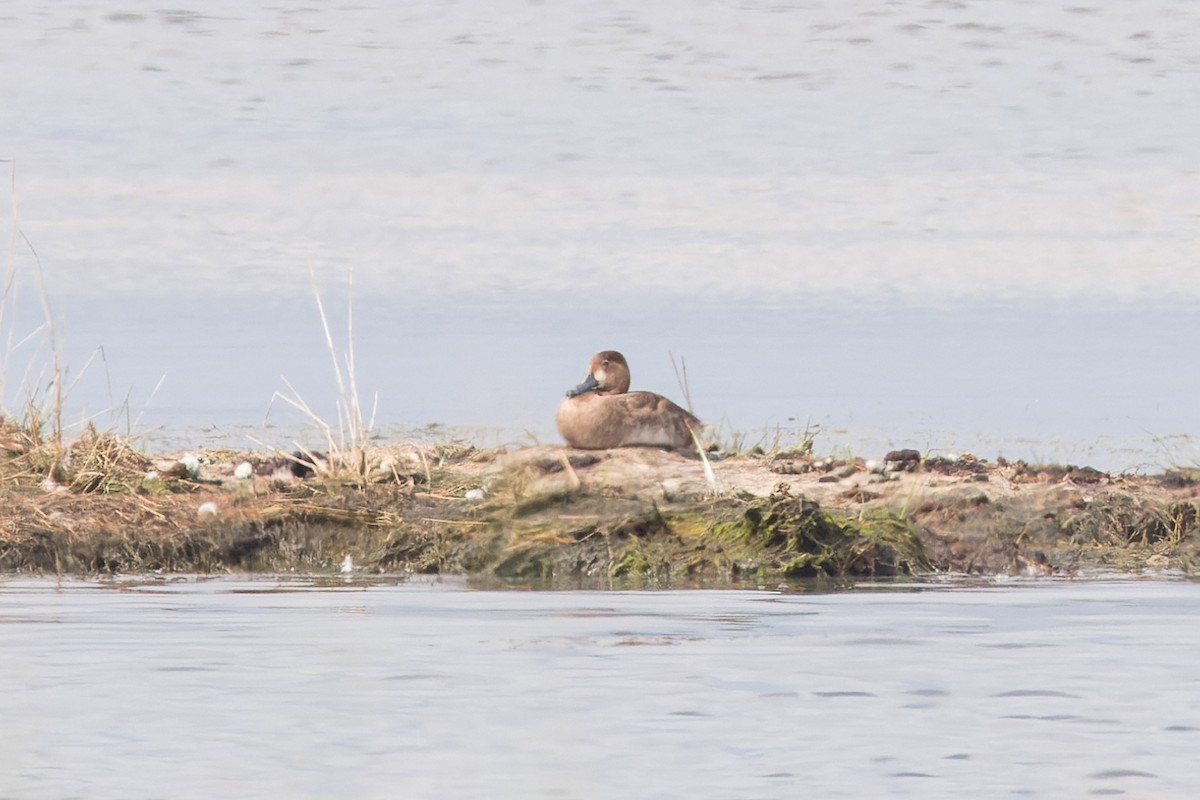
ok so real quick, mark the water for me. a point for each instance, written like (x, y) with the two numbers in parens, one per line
(943, 225)
(269, 687)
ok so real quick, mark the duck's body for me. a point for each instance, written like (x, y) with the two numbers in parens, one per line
(602, 413)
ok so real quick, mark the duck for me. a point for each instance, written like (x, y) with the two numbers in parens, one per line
(601, 413)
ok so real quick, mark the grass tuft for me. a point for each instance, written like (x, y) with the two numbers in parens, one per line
(346, 440)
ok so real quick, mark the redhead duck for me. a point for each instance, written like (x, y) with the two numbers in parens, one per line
(602, 413)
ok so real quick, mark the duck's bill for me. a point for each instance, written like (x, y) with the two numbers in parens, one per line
(589, 384)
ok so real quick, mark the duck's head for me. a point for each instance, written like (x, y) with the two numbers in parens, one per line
(608, 373)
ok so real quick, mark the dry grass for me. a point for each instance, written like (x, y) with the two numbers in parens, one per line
(33, 439)
(103, 462)
(346, 441)
(34, 434)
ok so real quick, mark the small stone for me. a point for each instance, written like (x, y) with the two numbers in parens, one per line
(906, 460)
(474, 495)
(243, 470)
(208, 508)
(1086, 475)
(190, 465)
(51, 486)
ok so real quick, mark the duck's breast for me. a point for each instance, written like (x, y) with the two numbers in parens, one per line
(584, 422)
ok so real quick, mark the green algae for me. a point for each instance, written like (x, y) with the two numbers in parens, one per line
(729, 539)
(793, 537)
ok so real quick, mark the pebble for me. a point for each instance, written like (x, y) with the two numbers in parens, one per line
(243, 470)
(191, 466)
(906, 460)
(51, 486)
(208, 508)
(474, 495)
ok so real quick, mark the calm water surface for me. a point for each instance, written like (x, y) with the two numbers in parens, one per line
(295, 688)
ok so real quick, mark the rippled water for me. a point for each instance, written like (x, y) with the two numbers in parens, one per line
(295, 688)
(922, 223)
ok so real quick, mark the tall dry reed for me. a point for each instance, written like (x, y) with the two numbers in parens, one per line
(346, 441)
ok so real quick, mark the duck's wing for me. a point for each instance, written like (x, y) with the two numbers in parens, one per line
(651, 403)
(654, 420)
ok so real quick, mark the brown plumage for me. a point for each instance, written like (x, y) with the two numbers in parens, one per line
(601, 412)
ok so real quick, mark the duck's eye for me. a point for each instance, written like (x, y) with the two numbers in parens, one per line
(604, 363)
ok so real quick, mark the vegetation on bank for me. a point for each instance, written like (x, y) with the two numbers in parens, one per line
(108, 508)
(555, 516)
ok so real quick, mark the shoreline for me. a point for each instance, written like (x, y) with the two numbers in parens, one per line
(553, 516)
(1125, 453)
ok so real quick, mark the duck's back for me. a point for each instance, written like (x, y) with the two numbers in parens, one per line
(596, 421)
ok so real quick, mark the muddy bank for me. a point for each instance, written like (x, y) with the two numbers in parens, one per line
(633, 516)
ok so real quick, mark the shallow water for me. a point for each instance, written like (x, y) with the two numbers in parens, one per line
(300, 688)
(1024, 382)
(959, 226)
